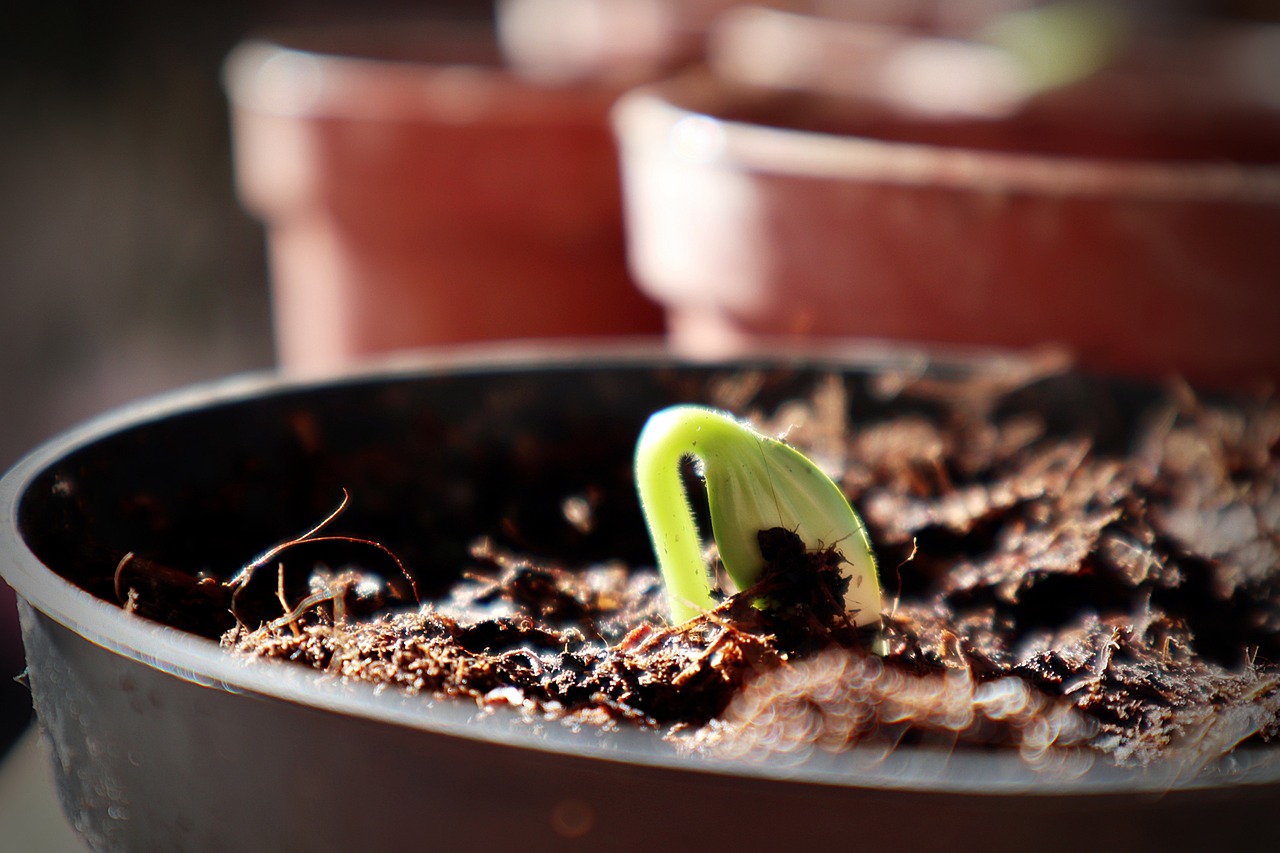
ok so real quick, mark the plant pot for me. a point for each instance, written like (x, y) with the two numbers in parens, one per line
(415, 191)
(161, 740)
(757, 213)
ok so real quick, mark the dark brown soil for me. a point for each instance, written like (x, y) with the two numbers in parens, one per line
(1042, 594)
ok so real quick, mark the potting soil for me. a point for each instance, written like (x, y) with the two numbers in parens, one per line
(1042, 593)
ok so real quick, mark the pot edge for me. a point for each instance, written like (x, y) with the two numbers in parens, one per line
(199, 661)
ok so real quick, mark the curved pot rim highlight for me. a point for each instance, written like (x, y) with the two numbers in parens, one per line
(202, 662)
(454, 76)
(677, 119)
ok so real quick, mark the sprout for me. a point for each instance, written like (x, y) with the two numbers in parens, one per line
(754, 483)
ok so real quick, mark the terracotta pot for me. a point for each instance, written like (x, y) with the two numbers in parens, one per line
(755, 213)
(417, 192)
(162, 741)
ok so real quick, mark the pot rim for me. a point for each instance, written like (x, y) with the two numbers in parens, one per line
(202, 662)
(456, 75)
(677, 118)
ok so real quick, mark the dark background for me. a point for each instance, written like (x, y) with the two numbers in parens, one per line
(127, 266)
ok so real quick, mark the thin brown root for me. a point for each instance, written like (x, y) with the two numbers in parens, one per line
(291, 617)
(284, 600)
(897, 574)
(242, 577)
(124, 561)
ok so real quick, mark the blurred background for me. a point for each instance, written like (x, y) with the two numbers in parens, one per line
(129, 265)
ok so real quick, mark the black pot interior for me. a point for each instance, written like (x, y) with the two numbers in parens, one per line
(432, 461)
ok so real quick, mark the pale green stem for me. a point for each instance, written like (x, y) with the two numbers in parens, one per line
(669, 437)
(753, 483)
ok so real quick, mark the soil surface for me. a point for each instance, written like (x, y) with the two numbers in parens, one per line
(1042, 593)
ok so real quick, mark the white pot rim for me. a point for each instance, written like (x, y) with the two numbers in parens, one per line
(456, 76)
(677, 119)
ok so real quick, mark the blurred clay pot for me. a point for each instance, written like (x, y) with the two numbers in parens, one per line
(764, 213)
(417, 192)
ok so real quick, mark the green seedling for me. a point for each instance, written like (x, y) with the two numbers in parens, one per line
(753, 483)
